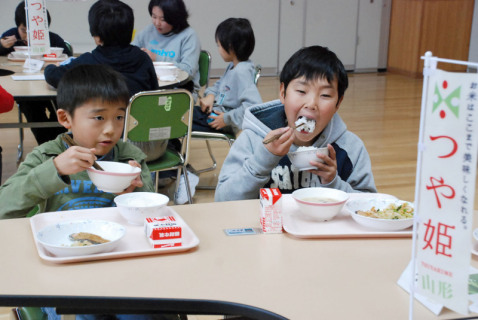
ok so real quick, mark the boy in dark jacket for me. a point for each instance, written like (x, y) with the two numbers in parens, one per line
(111, 25)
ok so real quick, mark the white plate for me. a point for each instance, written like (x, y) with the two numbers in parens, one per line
(375, 223)
(134, 243)
(341, 226)
(55, 237)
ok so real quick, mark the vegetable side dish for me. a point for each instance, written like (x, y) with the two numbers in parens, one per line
(393, 211)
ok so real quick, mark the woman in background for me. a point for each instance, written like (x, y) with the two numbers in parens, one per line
(170, 38)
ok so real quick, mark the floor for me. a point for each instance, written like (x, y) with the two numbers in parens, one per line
(383, 109)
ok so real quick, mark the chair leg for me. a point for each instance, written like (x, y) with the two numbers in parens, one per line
(183, 171)
(20, 144)
(188, 188)
(156, 182)
(214, 163)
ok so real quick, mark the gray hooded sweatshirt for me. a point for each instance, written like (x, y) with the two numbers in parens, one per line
(234, 92)
(249, 166)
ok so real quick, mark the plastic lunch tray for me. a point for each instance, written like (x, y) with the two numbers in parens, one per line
(341, 226)
(133, 244)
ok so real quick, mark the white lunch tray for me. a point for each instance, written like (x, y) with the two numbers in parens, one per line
(134, 243)
(341, 226)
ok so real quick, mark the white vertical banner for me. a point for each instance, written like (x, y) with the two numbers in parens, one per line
(37, 26)
(445, 188)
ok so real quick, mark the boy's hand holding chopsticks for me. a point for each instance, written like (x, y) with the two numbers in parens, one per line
(278, 141)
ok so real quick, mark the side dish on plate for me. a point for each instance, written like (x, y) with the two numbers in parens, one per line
(395, 210)
(381, 214)
(80, 237)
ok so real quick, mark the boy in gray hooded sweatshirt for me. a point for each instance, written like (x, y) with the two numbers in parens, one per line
(313, 83)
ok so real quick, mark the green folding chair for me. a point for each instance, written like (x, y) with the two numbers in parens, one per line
(162, 115)
(30, 313)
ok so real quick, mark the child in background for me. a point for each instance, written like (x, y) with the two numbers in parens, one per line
(18, 36)
(111, 25)
(92, 103)
(312, 87)
(6, 104)
(235, 91)
(34, 111)
(169, 38)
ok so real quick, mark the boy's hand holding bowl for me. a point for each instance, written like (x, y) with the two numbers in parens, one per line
(117, 177)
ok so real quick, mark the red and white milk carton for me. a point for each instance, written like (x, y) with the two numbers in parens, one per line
(271, 210)
(163, 232)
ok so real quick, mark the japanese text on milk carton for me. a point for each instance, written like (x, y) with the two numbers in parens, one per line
(163, 232)
(271, 210)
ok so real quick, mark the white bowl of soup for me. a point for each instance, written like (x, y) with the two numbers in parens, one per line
(320, 204)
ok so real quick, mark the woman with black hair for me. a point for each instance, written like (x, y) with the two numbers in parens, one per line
(170, 38)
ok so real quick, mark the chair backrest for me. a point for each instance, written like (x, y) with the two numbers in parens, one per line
(69, 46)
(160, 115)
(204, 68)
(257, 74)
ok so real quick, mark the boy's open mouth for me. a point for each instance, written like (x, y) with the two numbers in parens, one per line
(309, 124)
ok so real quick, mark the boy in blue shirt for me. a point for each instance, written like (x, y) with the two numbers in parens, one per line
(92, 105)
(312, 86)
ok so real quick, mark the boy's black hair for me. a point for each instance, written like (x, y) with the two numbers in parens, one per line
(315, 62)
(174, 13)
(112, 21)
(236, 34)
(21, 17)
(85, 83)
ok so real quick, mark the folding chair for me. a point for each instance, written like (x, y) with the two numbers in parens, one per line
(204, 70)
(162, 115)
(69, 46)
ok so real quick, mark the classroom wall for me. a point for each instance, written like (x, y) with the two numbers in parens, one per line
(281, 27)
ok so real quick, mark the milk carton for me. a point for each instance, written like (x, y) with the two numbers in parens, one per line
(271, 210)
(163, 232)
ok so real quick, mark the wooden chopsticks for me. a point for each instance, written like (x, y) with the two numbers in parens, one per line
(69, 141)
(277, 136)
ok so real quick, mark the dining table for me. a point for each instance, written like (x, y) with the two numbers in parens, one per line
(255, 275)
(27, 86)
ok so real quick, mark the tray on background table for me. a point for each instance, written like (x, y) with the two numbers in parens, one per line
(341, 226)
(61, 57)
(134, 243)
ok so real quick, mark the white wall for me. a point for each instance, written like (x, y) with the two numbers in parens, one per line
(473, 53)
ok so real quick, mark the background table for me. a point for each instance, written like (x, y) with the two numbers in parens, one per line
(25, 90)
(298, 279)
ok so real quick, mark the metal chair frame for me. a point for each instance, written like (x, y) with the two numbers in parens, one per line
(204, 72)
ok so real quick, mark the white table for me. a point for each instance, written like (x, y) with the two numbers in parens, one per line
(291, 277)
